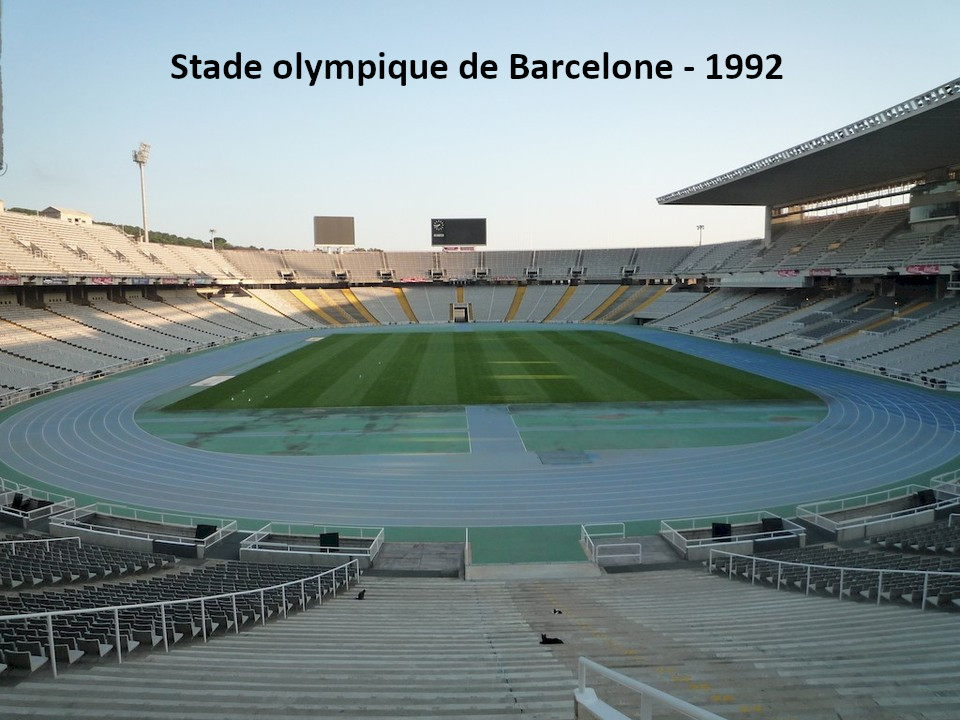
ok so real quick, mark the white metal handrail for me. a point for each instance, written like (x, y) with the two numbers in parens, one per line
(58, 503)
(858, 501)
(349, 569)
(12, 544)
(257, 540)
(587, 535)
(650, 697)
(843, 569)
(672, 530)
(816, 513)
(71, 519)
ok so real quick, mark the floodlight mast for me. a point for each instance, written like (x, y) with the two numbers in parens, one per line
(700, 230)
(140, 157)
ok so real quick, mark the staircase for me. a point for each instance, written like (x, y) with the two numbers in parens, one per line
(412, 648)
(748, 652)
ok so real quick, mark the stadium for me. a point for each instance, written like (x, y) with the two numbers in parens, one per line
(726, 476)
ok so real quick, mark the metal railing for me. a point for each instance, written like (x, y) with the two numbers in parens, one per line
(650, 697)
(9, 488)
(13, 544)
(73, 519)
(19, 396)
(347, 570)
(845, 573)
(590, 531)
(672, 530)
(815, 514)
(257, 541)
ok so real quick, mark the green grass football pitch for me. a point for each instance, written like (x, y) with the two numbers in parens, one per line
(476, 368)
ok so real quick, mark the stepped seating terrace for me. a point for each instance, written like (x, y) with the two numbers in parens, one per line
(907, 579)
(29, 230)
(670, 303)
(458, 265)
(624, 305)
(945, 249)
(538, 301)
(875, 230)
(431, 304)
(896, 250)
(584, 301)
(507, 264)
(658, 260)
(284, 302)
(195, 329)
(741, 257)
(312, 265)
(363, 266)
(835, 232)
(127, 250)
(50, 561)
(383, 304)
(490, 303)
(210, 315)
(556, 264)
(175, 337)
(782, 243)
(605, 264)
(80, 241)
(254, 311)
(258, 265)
(937, 539)
(412, 265)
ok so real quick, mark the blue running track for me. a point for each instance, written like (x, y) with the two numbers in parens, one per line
(875, 432)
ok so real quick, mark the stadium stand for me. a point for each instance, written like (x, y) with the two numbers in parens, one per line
(254, 311)
(363, 266)
(605, 265)
(430, 304)
(860, 574)
(60, 561)
(538, 301)
(490, 303)
(935, 539)
(506, 265)
(863, 288)
(411, 266)
(556, 264)
(584, 301)
(259, 266)
(312, 266)
(458, 265)
(383, 304)
(285, 304)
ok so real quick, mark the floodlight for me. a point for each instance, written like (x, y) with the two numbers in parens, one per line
(140, 157)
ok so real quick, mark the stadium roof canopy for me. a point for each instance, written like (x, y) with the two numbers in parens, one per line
(897, 144)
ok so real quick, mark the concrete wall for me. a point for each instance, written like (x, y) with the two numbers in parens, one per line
(318, 560)
(702, 552)
(124, 542)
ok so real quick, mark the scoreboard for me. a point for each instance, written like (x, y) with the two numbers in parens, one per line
(331, 230)
(458, 231)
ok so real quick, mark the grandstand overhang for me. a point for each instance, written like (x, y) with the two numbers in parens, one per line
(906, 142)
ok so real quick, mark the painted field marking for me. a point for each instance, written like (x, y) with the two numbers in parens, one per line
(212, 380)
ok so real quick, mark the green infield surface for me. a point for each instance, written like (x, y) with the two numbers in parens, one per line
(481, 368)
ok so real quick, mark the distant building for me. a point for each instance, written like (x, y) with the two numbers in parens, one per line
(78, 217)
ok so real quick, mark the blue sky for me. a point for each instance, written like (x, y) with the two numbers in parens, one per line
(550, 163)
